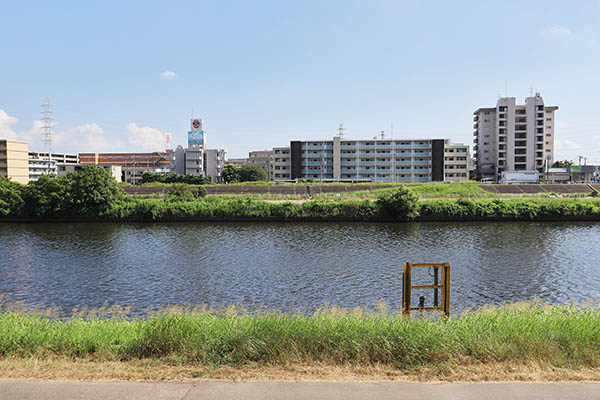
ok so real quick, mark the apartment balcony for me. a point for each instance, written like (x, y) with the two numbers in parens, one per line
(475, 126)
(424, 154)
(305, 162)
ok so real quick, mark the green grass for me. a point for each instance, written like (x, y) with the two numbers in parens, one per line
(232, 207)
(560, 335)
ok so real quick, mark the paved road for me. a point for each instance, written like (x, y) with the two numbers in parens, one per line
(217, 390)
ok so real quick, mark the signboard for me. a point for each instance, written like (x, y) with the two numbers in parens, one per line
(196, 137)
(575, 168)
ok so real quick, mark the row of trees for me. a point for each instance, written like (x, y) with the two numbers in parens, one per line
(172, 177)
(245, 173)
(88, 192)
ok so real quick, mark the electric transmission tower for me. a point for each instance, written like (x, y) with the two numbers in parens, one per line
(47, 127)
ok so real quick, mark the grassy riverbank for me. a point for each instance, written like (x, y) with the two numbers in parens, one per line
(91, 194)
(520, 336)
(216, 208)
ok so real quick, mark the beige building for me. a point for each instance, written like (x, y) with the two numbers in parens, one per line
(512, 137)
(280, 164)
(14, 160)
(262, 158)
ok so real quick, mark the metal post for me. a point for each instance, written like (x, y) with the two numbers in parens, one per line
(435, 283)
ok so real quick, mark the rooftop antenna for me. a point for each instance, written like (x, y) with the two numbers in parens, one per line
(47, 127)
(382, 135)
(530, 91)
(341, 131)
(168, 136)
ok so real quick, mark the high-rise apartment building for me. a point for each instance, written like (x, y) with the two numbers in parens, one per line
(376, 160)
(512, 137)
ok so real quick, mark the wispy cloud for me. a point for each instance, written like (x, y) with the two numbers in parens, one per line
(588, 35)
(168, 74)
(555, 31)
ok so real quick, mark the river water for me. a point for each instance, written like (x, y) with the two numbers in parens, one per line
(292, 266)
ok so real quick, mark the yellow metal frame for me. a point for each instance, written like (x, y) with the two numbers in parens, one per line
(407, 287)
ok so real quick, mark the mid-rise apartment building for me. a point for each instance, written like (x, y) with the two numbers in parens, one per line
(194, 154)
(41, 166)
(14, 160)
(512, 137)
(65, 163)
(262, 158)
(281, 164)
(214, 160)
(377, 160)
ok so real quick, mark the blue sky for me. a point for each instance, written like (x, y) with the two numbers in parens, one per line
(121, 75)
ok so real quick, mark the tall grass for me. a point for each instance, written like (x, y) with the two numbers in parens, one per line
(561, 335)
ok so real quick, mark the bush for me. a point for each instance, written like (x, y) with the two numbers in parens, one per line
(398, 203)
(200, 191)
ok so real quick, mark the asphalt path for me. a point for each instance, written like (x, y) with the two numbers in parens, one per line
(270, 390)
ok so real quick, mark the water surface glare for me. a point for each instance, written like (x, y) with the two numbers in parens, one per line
(290, 266)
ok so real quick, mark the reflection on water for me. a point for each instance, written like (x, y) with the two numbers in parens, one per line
(289, 266)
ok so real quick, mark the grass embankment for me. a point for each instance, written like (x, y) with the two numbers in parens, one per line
(218, 208)
(521, 341)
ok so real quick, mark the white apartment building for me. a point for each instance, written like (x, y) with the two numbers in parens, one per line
(214, 160)
(512, 137)
(65, 163)
(41, 166)
(376, 160)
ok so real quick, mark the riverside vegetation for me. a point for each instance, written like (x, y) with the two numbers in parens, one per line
(91, 194)
(551, 337)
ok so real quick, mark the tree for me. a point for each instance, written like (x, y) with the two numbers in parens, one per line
(48, 196)
(399, 203)
(251, 173)
(93, 190)
(562, 164)
(230, 174)
(11, 200)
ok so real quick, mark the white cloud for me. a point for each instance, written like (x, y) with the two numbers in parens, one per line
(83, 138)
(555, 31)
(168, 75)
(6, 123)
(146, 137)
(566, 145)
(8, 132)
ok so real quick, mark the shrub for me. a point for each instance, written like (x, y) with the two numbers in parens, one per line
(399, 203)
(200, 191)
(180, 192)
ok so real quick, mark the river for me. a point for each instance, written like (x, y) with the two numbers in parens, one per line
(291, 266)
